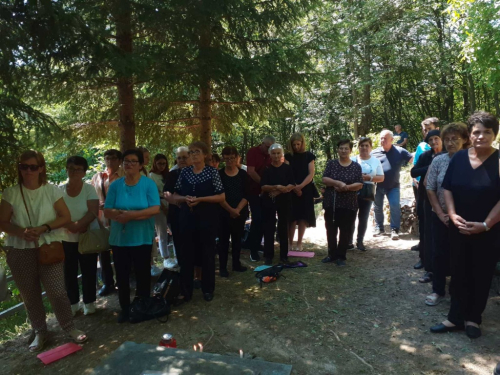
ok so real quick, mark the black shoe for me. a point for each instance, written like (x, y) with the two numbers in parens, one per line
(123, 316)
(497, 369)
(377, 232)
(441, 328)
(254, 256)
(239, 268)
(419, 265)
(197, 284)
(361, 246)
(208, 297)
(473, 332)
(223, 273)
(106, 290)
(427, 278)
(350, 246)
(415, 248)
(341, 263)
(327, 260)
(268, 262)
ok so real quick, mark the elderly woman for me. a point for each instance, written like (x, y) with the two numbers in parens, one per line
(472, 196)
(159, 174)
(424, 209)
(276, 183)
(455, 138)
(199, 190)
(372, 171)
(342, 178)
(32, 214)
(83, 204)
(131, 204)
(302, 163)
(235, 210)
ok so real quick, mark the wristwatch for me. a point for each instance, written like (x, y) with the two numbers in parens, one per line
(486, 227)
(49, 229)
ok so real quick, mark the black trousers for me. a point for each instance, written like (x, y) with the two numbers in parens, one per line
(441, 255)
(363, 213)
(88, 267)
(269, 211)
(230, 228)
(198, 231)
(473, 262)
(140, 258)
(341, 221)
(428, 247)
(176, 236)
(106, 269)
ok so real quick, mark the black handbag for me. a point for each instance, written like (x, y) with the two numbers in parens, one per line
(367, 192)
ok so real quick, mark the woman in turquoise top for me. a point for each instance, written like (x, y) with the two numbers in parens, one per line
(131, 204)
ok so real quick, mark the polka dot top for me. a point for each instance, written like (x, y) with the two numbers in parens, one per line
(203, 184)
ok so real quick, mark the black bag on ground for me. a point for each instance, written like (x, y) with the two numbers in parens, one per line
(165, 293)
(271, 273)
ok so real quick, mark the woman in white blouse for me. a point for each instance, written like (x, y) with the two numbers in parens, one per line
(25, 233)
(83, 203)
(372, 172)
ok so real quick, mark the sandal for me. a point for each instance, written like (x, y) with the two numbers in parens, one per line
(427, 278)
(78, 336)
(38, 343)
(433, 299)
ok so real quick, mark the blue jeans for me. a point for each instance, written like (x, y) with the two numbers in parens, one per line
(395, 208)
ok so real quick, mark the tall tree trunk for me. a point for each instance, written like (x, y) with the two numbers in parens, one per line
(206, 115)
(366, 114)
(472, 93)
(122, 14)
(497, 102)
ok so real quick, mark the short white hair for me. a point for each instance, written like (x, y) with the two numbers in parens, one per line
(276, 146)
(386, 131)
(181, 149)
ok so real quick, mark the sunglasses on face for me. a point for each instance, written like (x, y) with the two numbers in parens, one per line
(31, 167)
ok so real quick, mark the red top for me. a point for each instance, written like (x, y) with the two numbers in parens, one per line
(256, 158)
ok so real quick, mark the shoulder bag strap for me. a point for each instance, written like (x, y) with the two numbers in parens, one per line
(25, 205)
(102, 187)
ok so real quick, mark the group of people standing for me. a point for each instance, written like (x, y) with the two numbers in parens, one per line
(196, 203)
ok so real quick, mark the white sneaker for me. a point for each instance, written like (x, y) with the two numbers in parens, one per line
(89, 308)
(170, 263)
(75, 308)
(394, 235)
(155, 271)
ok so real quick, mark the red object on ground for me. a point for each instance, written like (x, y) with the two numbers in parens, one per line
(57, 353)
(301, 254)
(168, 341)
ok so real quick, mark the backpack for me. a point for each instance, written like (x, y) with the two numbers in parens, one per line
(165, 293)
(269, 275)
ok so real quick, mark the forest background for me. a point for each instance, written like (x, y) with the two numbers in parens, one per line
(78, 76)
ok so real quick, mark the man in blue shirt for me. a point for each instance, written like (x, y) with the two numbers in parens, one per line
(403, 136)
(392, 158)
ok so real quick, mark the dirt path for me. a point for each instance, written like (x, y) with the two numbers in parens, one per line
(366, 318)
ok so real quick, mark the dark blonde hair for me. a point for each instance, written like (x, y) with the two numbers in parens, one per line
(297, 137)
(40, 160)
(458, 128)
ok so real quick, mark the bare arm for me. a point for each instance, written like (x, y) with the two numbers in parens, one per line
(378, 178)
(82, 224)
(6, 226)
(354, 187)
(493, 216)
(309, 177)
(332, 183)
(253, 174)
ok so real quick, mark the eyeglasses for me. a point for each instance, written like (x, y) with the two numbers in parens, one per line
(452, 140)
(130, 162)
(230, 159)
(182, 158)
(194, 152)
(73, 169)
(31, 167)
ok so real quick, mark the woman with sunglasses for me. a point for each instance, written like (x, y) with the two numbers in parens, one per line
(131, 204)
(33, 213)
(83, 204)
(199, 190)
(159, 174)
(235, 210)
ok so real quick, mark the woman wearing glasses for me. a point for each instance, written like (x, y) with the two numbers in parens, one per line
(455, 138)
(131, 204)
(199, 190)
(159, 174)
(83, 204)
(33, 213)
(235, 210)
(342, 178)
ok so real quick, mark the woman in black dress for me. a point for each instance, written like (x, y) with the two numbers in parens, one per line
(342, 178)
(234, 212)
(472, 195)
(277, 182)
(302, 163)
(199, 190)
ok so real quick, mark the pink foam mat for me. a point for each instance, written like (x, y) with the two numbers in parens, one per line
(301, 254)
(57, 353)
